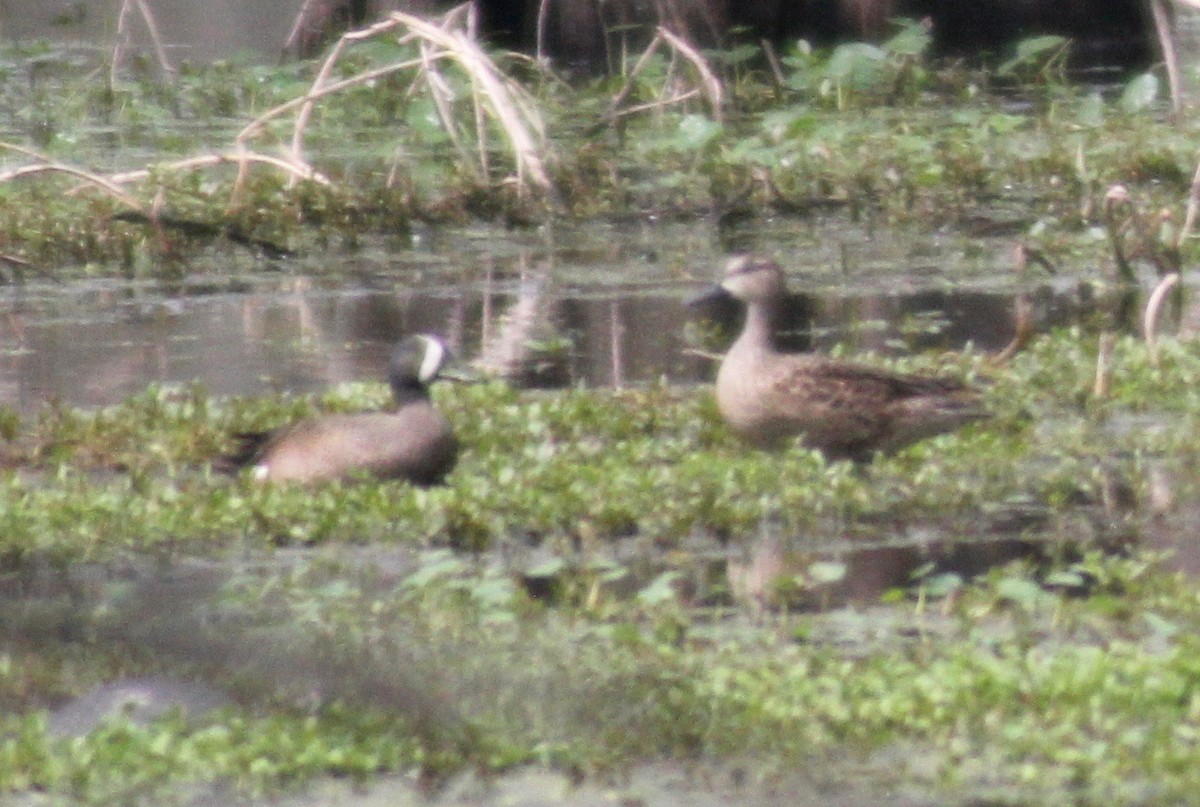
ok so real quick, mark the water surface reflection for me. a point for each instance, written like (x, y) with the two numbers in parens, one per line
(94, 345)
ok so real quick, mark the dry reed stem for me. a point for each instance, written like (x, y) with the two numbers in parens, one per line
(255, 126)
(1166, 43)
(494, 92)
(633, 110)
(494, 95)
(1102, 386)
(1023, 330)
(306, 101)
(777, 76)
(123, 37)
(1153, 309)
(627, 88)
(442, 97)
(234, 157)
(112, 183)
(1193, 206)
(119, 42)
(1118, 195)
(503, 97)
(298, 25)
(1150, 241)
(156, 40)
(481, 129)
(46, 165)
(709, 85)
(543, 20)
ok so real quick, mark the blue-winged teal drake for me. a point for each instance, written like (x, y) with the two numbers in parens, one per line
(845, 410)
(413, 442)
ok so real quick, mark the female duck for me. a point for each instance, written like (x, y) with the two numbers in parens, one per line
(845, 410)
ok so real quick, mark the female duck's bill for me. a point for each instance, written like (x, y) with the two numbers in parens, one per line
(413, 442)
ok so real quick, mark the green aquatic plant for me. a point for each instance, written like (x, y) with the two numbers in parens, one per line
(881, 132)
(858, 73)
(1069, 680)
(583, 466)
(1041, 58)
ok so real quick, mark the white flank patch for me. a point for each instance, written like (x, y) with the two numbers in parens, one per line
(435, 354)
(260, 472)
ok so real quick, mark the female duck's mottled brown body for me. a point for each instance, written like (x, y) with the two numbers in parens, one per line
(843, 409)
(413, 442)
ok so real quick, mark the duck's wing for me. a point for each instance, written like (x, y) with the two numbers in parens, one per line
(247, 448)
(850, 410)
(892, 386)
(836, 406)
(324, 447)
(414, 443)
(828, 384)
(884, 386)
(256, 447)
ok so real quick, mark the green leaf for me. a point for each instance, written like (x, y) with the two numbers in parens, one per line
(1019, 591)
(661, 590)
(549, 568)
(1140, 93)
(1091, 111)
(1160, 626)
(942, 585)
(913, 39)
(827, 572)
(856, 65)
(493, 591)
(1032, 52)
(696, 132)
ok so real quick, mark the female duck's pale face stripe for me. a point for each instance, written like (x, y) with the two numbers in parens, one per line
(435, 352)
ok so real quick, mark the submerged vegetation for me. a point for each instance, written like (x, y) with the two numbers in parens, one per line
(565, 599)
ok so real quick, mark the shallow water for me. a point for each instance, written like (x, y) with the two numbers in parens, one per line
(589, 309)
(601, 307)
(597, 306)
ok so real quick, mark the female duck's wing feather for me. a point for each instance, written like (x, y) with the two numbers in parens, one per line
(848, 410)
(868, 384)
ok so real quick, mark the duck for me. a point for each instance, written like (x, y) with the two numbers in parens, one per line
(843, 409)
(413, 442)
